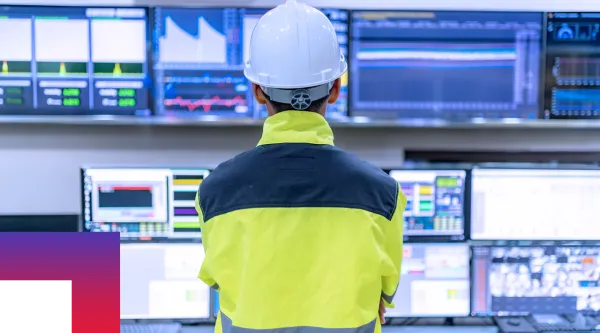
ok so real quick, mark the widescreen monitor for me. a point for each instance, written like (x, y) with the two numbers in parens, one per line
(74, 61)
(572, 85)
(434, 281)
(534, 204)
(142, 203)
(436, 200)
(159, 281)
(453, 66)
(199, 60)
(523, 280)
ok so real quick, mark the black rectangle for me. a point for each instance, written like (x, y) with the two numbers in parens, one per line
(48, 303)
(184, 196)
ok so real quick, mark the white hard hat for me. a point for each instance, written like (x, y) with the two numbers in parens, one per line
(294, 46)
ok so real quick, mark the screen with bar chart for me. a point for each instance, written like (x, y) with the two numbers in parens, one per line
(435, 203)
(452, 66)
(572, 66)
(142, 203)
(199, 60)
(74, 60)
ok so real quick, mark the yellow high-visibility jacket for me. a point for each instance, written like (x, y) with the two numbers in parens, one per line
(300, 236)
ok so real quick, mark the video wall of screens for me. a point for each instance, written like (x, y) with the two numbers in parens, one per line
(142, 203)
(74, 61)
(572, 85)
(445, 65)
(199, 56)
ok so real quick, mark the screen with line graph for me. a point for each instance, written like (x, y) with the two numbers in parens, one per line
(199, 61)
(572, 66)
(142, 203)
(74, 61)
(452, 66)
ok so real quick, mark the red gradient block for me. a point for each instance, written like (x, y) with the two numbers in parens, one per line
(89, 260)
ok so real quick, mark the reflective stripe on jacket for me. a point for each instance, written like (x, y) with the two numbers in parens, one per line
(300, 236)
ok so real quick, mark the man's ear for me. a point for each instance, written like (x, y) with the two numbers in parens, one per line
(259, 94)
(334, 94)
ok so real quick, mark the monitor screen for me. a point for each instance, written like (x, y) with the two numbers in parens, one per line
(453, 66)
(527, 204)
(74, 61)
(434, 281)
(512, 280)
(199, 60)
(572, 66)
(435, 202)
(142, 203)
(159, 281)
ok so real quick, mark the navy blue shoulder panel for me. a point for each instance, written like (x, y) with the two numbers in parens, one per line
(297, 175)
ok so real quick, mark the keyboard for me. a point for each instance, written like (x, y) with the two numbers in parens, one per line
(151, 328)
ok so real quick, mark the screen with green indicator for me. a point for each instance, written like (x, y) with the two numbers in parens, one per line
(435, 203)
(74, 61)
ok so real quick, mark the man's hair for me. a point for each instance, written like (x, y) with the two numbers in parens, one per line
(315, 106)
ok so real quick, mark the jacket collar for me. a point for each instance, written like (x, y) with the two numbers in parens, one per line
(296, 127)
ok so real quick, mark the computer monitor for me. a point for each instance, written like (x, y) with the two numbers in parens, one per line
(160, 281)
(522, 280)
(572, 66)
(434, 281)
(445, 65)
(534, 204)
(74, 61)
(199, 60)
(142, 203)
(435, 205)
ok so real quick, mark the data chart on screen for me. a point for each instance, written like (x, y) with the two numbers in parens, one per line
(572, 85)
(159, 281)
(199, 60)
(435, 202)
(526, 204)
(434, 281)
(74, 61)
(523, 280)
(142, 203)
(454, 66)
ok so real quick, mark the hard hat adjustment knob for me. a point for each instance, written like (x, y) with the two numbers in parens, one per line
(300, 99)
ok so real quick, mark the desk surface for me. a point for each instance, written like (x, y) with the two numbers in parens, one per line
(393, 329)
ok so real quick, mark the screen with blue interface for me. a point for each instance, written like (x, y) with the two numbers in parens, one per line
(519, 280)
(434, 281)
(572, 66)
(445, 65)
(142, 204)
(199, 60)
(159, 281)
(435, 203)
(73, 60)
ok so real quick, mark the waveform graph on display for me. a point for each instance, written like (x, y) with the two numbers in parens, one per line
(192, 36)
(215, 93)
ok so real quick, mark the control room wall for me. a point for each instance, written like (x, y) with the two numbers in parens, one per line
(39, 164)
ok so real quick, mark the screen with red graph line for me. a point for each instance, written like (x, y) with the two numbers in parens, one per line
(199, 61)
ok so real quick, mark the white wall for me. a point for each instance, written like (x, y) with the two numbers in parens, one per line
(39, 164)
